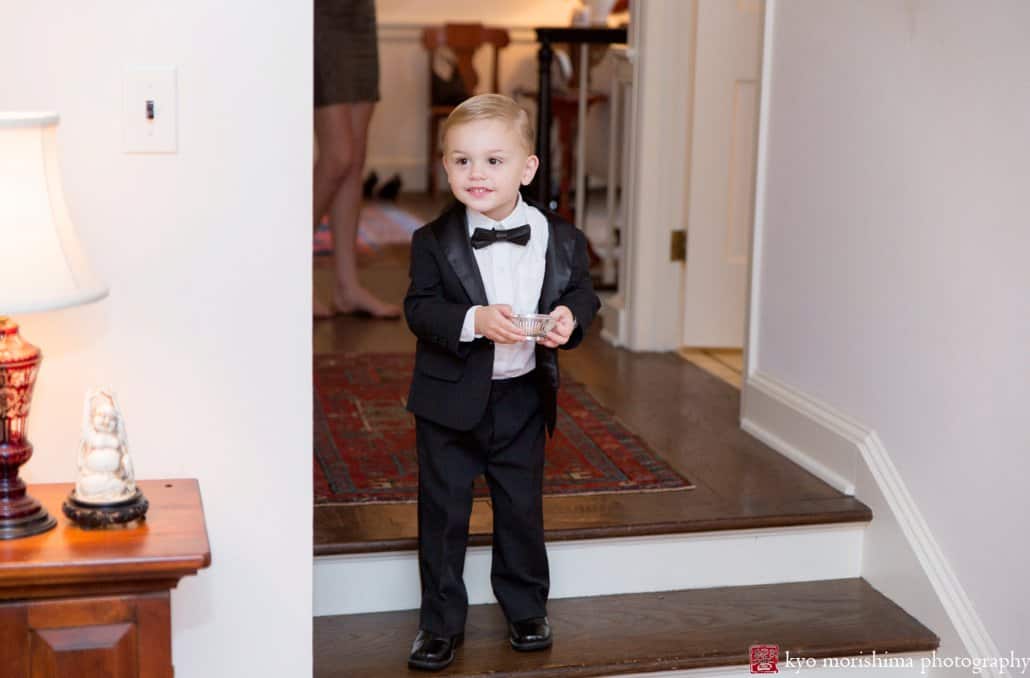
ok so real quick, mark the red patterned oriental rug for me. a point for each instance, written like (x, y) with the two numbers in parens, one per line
(365, 439)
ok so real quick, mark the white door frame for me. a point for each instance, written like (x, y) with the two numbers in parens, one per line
(721, 188)
(664, 40)
(754, 277)
(663, 52)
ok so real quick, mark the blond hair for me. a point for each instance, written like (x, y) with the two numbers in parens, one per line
(492, 107)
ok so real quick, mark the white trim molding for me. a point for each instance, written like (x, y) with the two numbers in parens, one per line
(813, 435)
(662, 36)
(949, 590)
(851, 457)
(754, 279)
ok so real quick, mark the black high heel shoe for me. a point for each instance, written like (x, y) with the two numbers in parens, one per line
(370, 184)
(391, 188)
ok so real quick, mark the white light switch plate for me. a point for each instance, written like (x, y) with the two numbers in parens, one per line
(141, 134)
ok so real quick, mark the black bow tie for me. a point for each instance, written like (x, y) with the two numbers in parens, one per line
(482, 237)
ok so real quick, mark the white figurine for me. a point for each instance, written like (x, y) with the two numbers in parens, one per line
(105, 469)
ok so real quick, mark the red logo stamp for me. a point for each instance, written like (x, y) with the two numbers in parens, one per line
(763, 658)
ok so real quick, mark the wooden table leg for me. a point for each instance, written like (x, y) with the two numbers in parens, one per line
(543, 124)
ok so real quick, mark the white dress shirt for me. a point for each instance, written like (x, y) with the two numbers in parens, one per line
(514, 275)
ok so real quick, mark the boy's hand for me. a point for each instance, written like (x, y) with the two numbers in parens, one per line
(494, 323)
(562, 329)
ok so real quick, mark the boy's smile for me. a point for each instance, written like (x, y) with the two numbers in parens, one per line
(486, 162)
(479, 191)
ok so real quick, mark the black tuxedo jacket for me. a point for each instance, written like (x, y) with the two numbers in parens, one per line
(451, 383)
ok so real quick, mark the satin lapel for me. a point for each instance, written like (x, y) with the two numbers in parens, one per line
(454, 239)
(557, 269)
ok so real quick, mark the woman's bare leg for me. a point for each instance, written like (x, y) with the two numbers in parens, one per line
(342, 131)
(348, 294)
(332, 129)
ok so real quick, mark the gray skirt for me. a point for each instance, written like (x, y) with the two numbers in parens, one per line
(346, 52)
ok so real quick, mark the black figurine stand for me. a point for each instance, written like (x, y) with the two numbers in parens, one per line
(105, 515)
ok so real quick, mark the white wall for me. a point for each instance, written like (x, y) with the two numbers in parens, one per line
(893, 278)
(206, 333)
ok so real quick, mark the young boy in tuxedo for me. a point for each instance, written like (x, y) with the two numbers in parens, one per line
(483, 393)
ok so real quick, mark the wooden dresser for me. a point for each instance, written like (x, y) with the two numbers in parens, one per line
(80, 603)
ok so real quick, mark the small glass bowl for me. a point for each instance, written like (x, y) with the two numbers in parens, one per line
(534, 325)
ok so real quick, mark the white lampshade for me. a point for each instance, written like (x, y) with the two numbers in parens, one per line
(42, 264)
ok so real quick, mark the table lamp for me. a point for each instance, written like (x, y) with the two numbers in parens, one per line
(42, 267)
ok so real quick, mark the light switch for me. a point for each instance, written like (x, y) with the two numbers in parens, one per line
(149, 111)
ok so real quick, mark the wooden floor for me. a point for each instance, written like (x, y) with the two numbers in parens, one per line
(684, 413)
(641, 632)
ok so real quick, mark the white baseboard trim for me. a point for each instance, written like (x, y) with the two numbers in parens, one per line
(379, 582)
(613, 321)
(952, 596)
(841, 451)
(820, 439)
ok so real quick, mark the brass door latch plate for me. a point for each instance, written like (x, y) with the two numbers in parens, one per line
(678, 245)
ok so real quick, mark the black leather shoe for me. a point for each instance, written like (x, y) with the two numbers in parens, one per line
(530, 634)
(431, 652)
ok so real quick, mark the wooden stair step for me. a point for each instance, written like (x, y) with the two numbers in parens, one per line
(639, 633)
(371, 528)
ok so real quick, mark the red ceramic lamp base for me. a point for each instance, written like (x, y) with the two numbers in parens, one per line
(20, 514)
(37, 521)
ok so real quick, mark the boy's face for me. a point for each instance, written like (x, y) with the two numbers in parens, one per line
(486, 163)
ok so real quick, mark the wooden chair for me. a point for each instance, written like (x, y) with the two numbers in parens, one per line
(464, 40)
(565, 110)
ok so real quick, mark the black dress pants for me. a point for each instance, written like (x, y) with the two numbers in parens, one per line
(507, 445)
